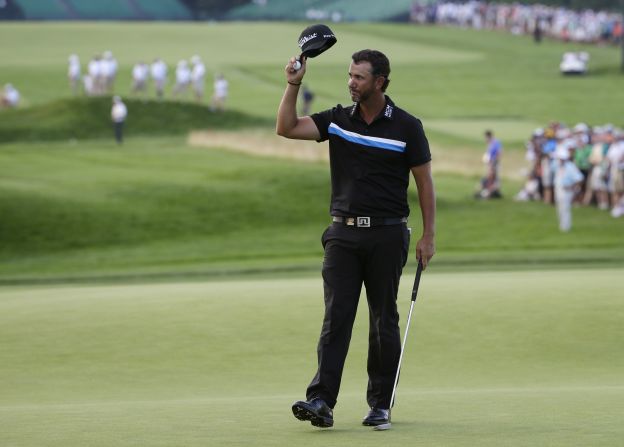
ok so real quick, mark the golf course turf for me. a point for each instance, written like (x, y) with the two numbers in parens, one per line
(169, 294)
(506, 358)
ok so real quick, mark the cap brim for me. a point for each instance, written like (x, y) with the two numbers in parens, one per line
(318, 48)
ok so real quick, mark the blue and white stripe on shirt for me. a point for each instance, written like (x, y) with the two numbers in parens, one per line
(376, 142)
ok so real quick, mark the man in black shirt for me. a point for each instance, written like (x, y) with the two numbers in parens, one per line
(373, 147)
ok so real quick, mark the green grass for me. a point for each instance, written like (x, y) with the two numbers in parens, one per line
(495, 357)
(438, 73)
(513, 358)
(157, 206)
(83, 208)
(89, 118)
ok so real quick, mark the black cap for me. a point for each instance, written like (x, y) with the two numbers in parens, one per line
(316, 39)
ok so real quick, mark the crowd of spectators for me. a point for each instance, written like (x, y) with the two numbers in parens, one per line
(101, 74)
(186, 75)
(597, 152)
(586, 26)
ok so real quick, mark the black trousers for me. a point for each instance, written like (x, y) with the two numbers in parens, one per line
(118, 126)
(375, 258)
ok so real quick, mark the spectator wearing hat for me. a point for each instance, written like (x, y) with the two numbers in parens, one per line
(567, 177)
(95, 85)
(140, 74)
(548, 148)
(220, 93)
(531, 188)
(582, 138)
(183, 78)
(10, 97)
(197, 77)
(158, 71)
(119, 112)
(108, 67)
(615, 160)
(597, 182)
(74, 74)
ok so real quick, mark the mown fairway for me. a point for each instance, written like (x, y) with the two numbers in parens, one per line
(531, 358)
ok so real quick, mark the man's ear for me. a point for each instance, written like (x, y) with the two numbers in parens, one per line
(379, 82)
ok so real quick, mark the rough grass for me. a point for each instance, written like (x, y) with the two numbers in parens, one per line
(89, 118)
(157, 206)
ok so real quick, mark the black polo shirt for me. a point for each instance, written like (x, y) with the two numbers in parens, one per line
(370, 164)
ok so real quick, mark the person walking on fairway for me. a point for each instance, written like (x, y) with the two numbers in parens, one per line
(373, 147)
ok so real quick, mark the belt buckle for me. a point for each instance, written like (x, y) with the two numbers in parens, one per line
(363, 222)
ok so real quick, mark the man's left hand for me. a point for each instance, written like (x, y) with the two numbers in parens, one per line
(425, 249)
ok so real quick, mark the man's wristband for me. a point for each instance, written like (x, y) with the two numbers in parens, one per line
(294, 83)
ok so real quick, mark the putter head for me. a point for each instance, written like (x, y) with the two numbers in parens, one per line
(382, 427)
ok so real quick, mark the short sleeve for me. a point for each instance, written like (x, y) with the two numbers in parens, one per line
(322, 121)
(417, 149)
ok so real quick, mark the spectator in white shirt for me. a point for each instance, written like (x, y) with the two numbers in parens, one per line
(615, 159)
(140, 74)
(220, 93)
(10, 97)
(74, 74)
(94, 70)
(108, 66)
(159, 75)
(119, 112)
(183, 78)
(197, 77)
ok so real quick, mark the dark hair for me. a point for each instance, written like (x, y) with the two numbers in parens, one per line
(379, 62)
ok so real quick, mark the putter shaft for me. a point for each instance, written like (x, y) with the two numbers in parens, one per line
(409, 319)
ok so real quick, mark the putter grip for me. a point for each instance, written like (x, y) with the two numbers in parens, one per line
(417, 280)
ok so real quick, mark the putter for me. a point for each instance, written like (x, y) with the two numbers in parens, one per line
(387, 426)
(314, 40)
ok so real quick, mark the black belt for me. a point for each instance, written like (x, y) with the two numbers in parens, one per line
(366, 222)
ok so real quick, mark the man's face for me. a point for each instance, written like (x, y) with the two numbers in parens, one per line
(361, 83)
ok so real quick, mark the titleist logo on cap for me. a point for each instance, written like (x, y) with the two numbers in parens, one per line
(305, 39)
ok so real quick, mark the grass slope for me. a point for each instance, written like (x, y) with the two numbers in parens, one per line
(85, 118)
(530, 358)
(156, 206)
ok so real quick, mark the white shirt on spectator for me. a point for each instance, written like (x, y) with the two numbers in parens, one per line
(119, 110)
(11, 96)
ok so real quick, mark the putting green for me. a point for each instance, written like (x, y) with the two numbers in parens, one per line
(512, 358)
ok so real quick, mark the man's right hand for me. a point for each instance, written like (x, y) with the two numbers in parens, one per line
(295, 76)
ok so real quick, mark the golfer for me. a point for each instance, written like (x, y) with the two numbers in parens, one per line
(373, 147)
